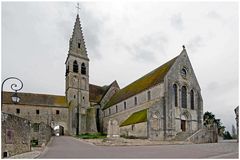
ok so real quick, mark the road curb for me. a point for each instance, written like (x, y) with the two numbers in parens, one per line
(44, 150)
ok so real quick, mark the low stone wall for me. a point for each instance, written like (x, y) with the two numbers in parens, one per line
(15, 135)
(204, 135)
(41, 133)
(136, 130)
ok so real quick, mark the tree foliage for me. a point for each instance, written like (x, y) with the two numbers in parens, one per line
(227, 135)
(209, 120)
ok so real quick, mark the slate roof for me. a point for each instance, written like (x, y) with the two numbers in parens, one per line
(95, 95)
(137, 117)
(149, 80)
(36, 99)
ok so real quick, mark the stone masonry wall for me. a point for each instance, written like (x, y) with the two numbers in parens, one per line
(42, 133)
(123, 115)
(52, 116)
(174, 113)
(156, 92)
(15, 135)
(136, 130)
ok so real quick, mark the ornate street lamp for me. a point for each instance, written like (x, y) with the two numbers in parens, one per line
(14, 87)
(15, 98)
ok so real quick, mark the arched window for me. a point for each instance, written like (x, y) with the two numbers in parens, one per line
(83, 69)
(75, 66)
(192, 99)
(184, 97)
(184, 72)
(175, 90)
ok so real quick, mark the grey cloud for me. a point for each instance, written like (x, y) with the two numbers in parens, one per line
(214, 15)
(147, 48)
(195, 43)
(177, 21)
(92, 27)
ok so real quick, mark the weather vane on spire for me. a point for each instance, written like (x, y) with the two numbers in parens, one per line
(78, 8)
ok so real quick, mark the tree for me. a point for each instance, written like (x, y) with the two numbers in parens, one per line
(227, 135)
(209, 120)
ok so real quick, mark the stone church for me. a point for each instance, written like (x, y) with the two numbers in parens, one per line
(160, 105)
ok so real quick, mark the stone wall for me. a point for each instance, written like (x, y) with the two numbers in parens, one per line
(204, 135)
(176, 113)
(136, 130)
(41, 132)
(15, 135)
(123, 115)
(156, 92)
(50, 115)
(156, 121)
(91, 120)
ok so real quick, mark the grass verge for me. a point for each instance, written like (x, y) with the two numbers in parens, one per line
(92, 136)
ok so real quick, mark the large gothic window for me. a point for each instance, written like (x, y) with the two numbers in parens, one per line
(184, 97)
(75, 66)
(192, 99)
(83, 69)
(175, 90)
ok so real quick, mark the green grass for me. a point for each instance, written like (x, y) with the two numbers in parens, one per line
(92, 136)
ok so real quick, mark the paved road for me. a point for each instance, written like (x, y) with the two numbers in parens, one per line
(69, 147)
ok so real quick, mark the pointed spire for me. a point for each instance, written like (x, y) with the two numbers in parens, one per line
(77, 43)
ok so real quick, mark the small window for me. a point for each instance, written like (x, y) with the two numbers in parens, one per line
(192, 99)
(109, 110)
(35, 127)
(37, 111)
(17, 110)
(83, 69)
(74, 96)
(5, 154)
(116, 108)
(67, 70)
(135, 101)
(175, 90)
(79, 45)
(133, 127)
(57, 111)
(125, 105)
(75, 66)
(9, 136)
(149, 95)
(184, 72)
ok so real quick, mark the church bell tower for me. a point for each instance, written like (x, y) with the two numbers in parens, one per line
(77, 80)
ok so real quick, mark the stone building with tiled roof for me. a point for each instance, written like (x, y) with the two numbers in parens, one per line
(160, 105)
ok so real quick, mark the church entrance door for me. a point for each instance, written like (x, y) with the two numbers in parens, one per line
(183, 125)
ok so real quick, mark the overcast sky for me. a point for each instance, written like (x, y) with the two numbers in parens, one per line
(124, 42)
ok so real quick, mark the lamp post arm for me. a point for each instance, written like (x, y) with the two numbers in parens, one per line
(14, 87)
